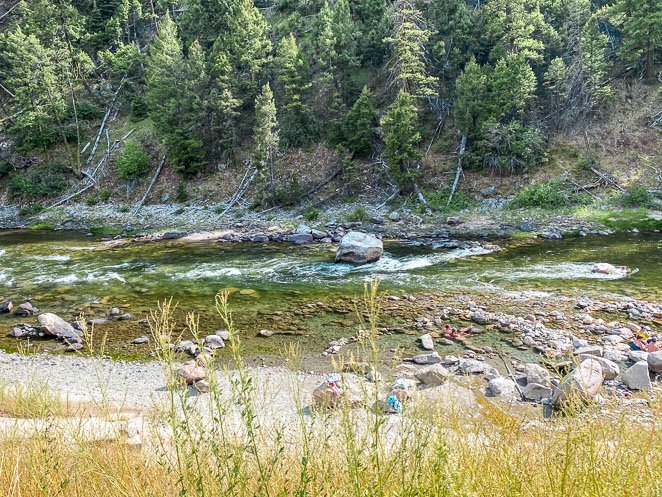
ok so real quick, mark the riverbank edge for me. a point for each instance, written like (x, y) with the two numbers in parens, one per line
(111, 221)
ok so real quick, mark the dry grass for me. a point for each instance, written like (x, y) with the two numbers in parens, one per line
(220, 448)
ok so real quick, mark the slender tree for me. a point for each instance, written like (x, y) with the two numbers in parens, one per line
(265, 135)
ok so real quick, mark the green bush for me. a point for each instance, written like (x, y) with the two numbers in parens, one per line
(181, 195)
(5, 169)
(636, 196)
(438, 200)
(106, 194)
(311, 214)
(40, 181)
(30, 210)
(507, 148)
(291, 193)
(132, 162)
(358, 214)
(546, 195)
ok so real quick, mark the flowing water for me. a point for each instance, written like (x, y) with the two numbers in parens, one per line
(271, 285)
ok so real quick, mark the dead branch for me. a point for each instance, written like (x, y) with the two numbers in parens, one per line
(458, 172)
(243, 186)
(149, 188)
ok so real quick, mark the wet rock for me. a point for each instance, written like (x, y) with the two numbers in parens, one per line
(115, 311)
(490, 191)
(427, 342)
(582, 384)
(140, 340)
(610, 269)
(97, 322)
(359, 248)
(432, 358)
(435, 374)
(552, 235)
(655, 361)
(224, 334)
(125, 317)
(453, 220)
(190, 372)
(394, 216)
(187, 346)
(24, 330)
(260, 239)
(6, 307)
(73, 347)
(53, 325)
(214, 342)
(265, 333)
(502, 387)
(26, 309)
(637, 377)
(299, 238)
(536, 391)
(173, 235)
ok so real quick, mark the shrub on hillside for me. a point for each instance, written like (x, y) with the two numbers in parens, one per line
(636, 196)
(546, 195)
(132, 162)
(40, 181)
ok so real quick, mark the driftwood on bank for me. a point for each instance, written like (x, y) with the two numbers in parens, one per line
(151, 185)
(458, 172)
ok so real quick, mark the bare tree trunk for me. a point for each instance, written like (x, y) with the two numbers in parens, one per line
(458, 172)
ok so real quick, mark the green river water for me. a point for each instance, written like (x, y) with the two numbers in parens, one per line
(273, 285)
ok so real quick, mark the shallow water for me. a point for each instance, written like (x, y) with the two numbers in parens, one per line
(69, 273)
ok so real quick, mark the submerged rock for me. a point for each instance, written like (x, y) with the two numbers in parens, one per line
(359, 248)
(26, 309)
(54, 325)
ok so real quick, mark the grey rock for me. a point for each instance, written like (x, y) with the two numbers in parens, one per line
(551, 235)
(140, 340)
(224, 334)
(201, 386)
(260, 239)
(125, 317)
(26, 309)
(115, 311)
(299, 239)
(610, 269)
(435, 374)
(394, 216)
(190, 372)
(53, 325)
(637, 377)
(502, 387)
(73, 347)
(582, 384)
(472, 366)
(303, 229)
(637, 355)
(537, 374)
(426, 342)
(593, 350)
(265, 333)
(214, 342)
(6, 307)
(432, 358)
(610, 369)
(536, 391)
(655, 361)
(359, 248)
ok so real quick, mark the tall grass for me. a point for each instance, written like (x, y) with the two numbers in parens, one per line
(243, 439)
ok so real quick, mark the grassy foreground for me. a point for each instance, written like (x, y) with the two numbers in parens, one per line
(224, 447)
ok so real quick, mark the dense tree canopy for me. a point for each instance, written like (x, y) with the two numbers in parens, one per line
(215, 75)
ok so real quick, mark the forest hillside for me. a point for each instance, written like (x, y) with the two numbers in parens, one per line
(294, 103)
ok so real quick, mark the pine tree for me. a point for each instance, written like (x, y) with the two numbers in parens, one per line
(401, 137)
(265, 134)
(374, 25)
(515, 27)
(173, 102)
(297, 121)
(512, 87)
(641, 22)
(471, 88)
(358, 129)
(408, 40)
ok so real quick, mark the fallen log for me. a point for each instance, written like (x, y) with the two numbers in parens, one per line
(149, 188)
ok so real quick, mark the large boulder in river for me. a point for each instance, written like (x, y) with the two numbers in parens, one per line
(582, 384)
(54, 325)
(611, 270)
(359, 248)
